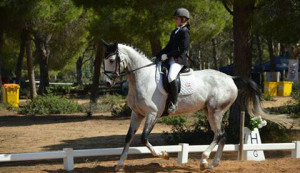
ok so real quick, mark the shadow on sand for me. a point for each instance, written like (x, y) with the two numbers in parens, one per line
(20, 120)
(152, 167)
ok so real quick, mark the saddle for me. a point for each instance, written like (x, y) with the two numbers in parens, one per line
(185, 71)
(165, 72)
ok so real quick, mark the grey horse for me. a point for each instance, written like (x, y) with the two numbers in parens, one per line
(214, 92)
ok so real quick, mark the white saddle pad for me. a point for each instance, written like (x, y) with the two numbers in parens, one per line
(187, 81)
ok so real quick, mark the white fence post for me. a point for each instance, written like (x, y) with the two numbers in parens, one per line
(242, 136)
(183, 156)
(69, 159)
(296, 151)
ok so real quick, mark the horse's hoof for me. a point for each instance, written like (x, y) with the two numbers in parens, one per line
(203, 166)
(119, 168)
(165, 155)
(210, 167)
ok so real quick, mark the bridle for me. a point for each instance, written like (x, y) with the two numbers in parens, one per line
(112, 75)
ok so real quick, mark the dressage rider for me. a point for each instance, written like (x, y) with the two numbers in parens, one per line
(176, 52)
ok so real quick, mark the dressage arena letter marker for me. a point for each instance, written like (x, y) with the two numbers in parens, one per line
(253, 137)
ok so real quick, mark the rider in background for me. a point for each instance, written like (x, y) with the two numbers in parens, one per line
(176, 52)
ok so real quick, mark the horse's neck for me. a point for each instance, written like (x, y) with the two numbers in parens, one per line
(136, 60)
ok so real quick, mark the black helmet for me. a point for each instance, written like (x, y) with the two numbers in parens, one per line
(182, 12)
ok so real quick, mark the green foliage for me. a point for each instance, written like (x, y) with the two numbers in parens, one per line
(50, 105)
(121, 110)
(274, 17)
(111, 103)
(296, 93)
(267, 97)
(209, 19)
(112, 100)
(179, 120)
(253, 124)
(200, 132)
(292, 110)
(273, 133)
(197, 133)
(59, 89)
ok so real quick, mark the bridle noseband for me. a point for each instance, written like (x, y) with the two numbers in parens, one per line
(112, 75)
(117, 72)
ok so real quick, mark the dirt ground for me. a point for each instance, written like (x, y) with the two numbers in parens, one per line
(20, 133)
(278, 101)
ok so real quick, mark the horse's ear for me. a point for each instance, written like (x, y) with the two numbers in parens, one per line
(116, 45)
(105, 43)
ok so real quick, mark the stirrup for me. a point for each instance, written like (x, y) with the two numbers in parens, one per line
(172, 108)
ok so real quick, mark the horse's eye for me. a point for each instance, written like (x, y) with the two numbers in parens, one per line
(111, 60)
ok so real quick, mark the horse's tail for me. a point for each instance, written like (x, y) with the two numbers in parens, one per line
(249, 98)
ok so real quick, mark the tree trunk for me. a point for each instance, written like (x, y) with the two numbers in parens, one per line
(282, 50)
(1, 45)
(42, 47)
(260, 53)
(271, 54)
(214, 52)
(79, 70)
(155, 46)
(30, 69)
(242, 13)
(96, 76)
(21, 56)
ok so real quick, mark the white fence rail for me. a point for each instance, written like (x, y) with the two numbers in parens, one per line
(68, 154)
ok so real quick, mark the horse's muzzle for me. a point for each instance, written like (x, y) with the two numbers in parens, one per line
(108, 84)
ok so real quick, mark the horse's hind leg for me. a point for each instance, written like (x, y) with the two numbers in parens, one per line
(222, 139)
(135, 122)
(149, 124)
(215, 120)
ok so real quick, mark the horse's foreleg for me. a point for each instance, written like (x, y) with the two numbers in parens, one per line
(135, 122)
(149, 124)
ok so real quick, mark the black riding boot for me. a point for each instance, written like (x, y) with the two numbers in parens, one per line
(174, 95)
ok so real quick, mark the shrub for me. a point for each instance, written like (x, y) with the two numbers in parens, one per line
(274, 133)
(173, 120)
(197, 133)
(112, 100)
(296, 93)
(50, 104)
(108, 103)
(200, 132)
(121, 110)
(59, 89)
(292, 110)
(267, 97)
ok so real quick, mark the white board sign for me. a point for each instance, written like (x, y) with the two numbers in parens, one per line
(253, 137)
(293, 71)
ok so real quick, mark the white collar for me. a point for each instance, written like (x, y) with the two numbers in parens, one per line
(178, 28)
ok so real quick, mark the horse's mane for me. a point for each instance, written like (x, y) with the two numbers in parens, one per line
(136, 49)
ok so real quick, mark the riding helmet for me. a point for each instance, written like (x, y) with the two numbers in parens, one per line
(182, 12)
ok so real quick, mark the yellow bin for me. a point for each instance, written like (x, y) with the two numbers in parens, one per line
(11, 94)
(285, 88)
(270, 88)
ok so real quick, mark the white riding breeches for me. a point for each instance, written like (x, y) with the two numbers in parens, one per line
(174, 70)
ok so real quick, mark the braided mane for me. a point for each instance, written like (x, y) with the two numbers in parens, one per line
(136, 49)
